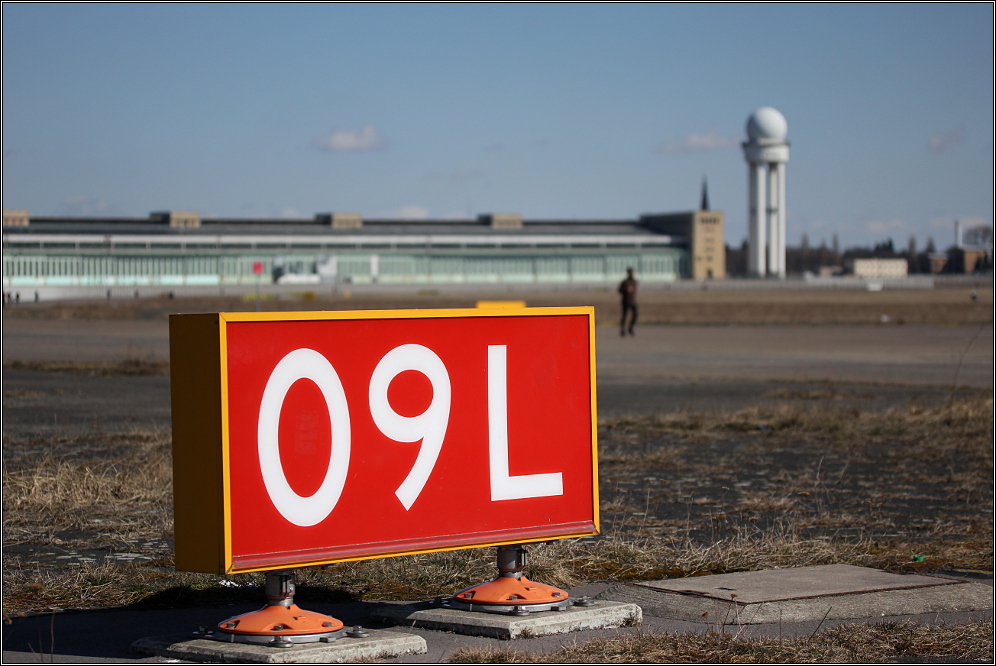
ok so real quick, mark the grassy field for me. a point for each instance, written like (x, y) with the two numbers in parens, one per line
(955, 305)
(685, 494)
(88, 517)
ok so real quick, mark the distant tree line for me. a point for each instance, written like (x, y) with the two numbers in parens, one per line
(804, 258)
(797, 259)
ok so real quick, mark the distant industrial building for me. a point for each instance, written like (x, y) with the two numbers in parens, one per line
(964, 257)
(177, 248)
(878, 268)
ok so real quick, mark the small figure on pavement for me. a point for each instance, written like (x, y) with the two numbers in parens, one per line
(627, 288)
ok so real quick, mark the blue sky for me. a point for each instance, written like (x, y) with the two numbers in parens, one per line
(552, 111)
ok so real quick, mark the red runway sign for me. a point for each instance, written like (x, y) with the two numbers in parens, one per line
(348, 435)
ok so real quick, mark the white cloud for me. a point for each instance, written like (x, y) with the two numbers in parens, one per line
(945, 141)
(81, 205)
(881, 228)
(351, 140)
(290, 213)
(412, 212)
(698, 143)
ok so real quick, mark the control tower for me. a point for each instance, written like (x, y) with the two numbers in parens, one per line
(766, 151)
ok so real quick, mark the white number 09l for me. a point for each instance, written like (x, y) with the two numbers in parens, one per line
(429, 427)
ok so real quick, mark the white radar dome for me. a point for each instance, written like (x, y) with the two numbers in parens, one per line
(767, 123)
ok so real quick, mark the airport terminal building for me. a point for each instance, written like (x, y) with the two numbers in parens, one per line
(180, 248)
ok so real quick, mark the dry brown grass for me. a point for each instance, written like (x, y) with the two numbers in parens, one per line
(810, 492)
(627, 557)
(850, 643)
(154, 584)
(116, 487)
(919, 474)
(565, 563)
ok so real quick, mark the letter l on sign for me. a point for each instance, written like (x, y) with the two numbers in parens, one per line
(503, 486)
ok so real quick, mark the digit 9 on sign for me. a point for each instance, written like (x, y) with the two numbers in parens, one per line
(429, 427)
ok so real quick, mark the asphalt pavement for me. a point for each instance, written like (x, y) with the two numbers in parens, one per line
(912, 354)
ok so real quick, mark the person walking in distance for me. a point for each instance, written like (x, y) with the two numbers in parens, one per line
(627, 289)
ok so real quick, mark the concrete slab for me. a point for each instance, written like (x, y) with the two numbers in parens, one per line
(600, 615)
(751, 587)
(376, 645)
(806, 594)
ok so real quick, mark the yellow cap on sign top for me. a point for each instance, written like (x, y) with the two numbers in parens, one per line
(501, 304)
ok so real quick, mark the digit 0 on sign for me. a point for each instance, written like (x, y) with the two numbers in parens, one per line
(303, 364)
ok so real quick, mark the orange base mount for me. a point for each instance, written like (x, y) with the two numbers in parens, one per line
(280, 623)
(511, 592)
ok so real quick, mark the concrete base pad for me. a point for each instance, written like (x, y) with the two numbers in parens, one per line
(376, 644)
(600, 615)
(804, 594)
